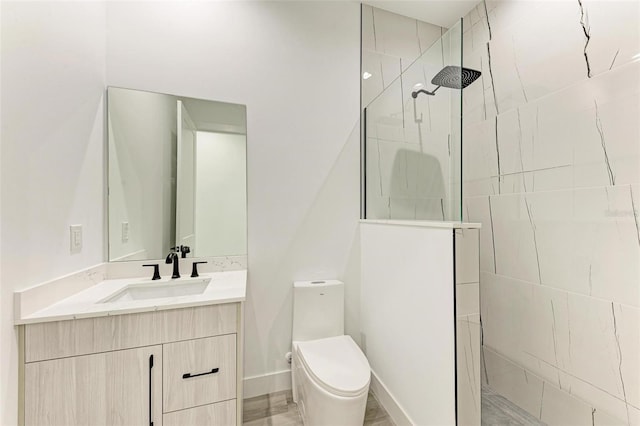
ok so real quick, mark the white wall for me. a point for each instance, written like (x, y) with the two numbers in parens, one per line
(220, 199)
(52, 171)
(295, 66)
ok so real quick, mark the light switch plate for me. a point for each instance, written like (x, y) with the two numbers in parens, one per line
(75, 238)
(125, 232)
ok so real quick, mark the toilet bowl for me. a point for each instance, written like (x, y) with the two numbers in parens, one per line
(331, 381)
(330, 374)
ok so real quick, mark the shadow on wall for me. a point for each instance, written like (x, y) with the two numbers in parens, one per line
(417, 188)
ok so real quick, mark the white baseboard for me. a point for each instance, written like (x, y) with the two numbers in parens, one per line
(388, 402)
(266, 383)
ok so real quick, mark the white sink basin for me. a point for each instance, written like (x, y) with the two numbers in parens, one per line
(157, 290)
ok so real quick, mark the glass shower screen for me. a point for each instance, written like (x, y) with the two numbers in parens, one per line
(412, 150)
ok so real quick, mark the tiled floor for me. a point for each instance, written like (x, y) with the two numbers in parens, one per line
(278, 409)
(274, 409)
(496, 410)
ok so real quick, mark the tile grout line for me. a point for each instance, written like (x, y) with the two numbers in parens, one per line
(560, 290)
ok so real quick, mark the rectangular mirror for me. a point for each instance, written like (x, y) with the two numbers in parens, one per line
(177, 176)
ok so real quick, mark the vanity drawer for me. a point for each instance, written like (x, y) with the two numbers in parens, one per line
(198, 372)
(221, 413)
(60, 339)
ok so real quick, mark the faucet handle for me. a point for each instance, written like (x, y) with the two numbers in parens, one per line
(194, 270)
(156, 271)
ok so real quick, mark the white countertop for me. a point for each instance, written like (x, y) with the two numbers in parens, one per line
(225, 287)
(424, 223)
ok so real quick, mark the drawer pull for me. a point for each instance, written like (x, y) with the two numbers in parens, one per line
(189, 375)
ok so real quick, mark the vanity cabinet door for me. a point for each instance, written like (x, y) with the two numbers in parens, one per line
(111, 388)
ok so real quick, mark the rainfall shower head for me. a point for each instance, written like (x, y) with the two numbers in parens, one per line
(453, 77)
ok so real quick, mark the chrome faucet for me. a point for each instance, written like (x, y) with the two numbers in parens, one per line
(173, 257)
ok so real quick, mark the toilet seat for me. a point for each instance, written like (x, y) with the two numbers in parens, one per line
(336, 364)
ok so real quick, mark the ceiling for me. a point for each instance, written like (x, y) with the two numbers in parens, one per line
(444, 13)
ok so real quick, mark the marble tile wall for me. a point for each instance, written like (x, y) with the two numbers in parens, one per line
(468, 327)
(409, 145)
(552, 171)
(390, 44)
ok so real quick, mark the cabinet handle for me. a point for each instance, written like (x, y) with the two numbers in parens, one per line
(150, 394)
(189, 375)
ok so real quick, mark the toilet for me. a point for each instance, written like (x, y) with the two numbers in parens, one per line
(330, 374)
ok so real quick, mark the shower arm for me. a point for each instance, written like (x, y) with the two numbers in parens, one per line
(415, 94)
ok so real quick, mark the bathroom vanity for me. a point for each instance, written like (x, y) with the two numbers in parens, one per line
(172, 360)
(106, 346)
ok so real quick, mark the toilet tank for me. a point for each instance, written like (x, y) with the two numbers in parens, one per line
(318, 309)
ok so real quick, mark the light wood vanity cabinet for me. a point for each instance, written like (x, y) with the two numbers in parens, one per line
(111, 388)
(172, 367)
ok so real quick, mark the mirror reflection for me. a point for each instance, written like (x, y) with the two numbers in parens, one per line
(177, 176)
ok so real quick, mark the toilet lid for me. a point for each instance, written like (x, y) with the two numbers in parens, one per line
(337, 364)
